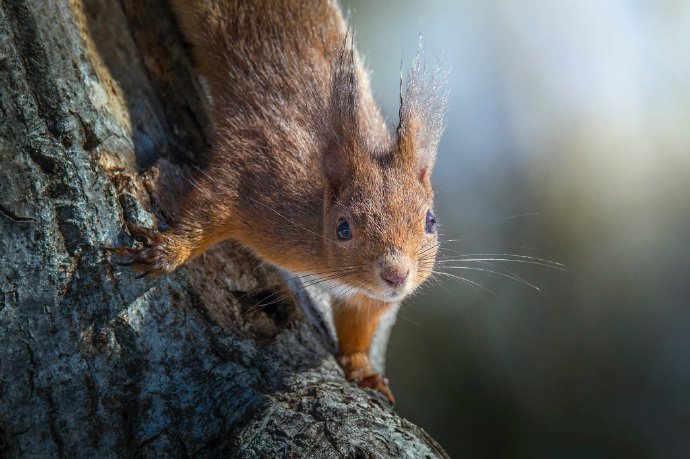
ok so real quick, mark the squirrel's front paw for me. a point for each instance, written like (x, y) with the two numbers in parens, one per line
(159, 255)
(357, 368)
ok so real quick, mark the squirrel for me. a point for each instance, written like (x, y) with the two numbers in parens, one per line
(302, 168)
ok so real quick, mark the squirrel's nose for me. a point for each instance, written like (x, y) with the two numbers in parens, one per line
(393, 277)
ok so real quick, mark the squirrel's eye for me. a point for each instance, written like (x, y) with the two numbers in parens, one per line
(343, 230)
(430, 225)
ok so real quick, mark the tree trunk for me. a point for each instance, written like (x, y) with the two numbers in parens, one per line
(101, 123)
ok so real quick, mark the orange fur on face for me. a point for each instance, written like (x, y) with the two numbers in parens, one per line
(386, 206)
(298, 144)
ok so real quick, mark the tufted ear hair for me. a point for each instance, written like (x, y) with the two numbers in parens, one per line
(342, 119)
(422, 117)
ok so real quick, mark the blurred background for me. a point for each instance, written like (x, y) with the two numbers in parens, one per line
(568, 139)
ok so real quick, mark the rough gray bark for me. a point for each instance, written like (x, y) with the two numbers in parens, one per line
(100, 124)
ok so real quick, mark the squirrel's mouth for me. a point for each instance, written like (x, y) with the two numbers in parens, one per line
(390, 297)
(344, 289)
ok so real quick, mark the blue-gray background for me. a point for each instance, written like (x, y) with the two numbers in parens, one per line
(576, 113)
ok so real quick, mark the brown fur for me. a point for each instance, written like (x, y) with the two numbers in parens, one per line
(298, 144)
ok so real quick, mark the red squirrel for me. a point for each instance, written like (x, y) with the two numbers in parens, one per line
(303, 169)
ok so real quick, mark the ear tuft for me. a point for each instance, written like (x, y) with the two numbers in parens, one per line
(423, 106)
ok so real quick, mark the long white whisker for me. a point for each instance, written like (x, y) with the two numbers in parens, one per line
(464, 279)
(558, 267)
(508, 276)
(512, 255)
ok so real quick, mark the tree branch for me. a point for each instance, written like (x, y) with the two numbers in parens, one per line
(99, 126)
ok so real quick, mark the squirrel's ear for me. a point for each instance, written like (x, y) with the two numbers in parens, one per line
(343, 120)
(422, 119)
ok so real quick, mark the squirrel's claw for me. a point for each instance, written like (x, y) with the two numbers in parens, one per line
(147, 236)
(153, 259)
(379, 383)
(357, 368)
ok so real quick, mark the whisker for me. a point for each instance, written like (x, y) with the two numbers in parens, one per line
(464, 279)
(331, 290)
(507, 260)
(503, 270)
(293, 278)
(332, 279)
(514, 258)
(262, 304)
(294, 223)
(323, 274)
(517, 255)
(499, 221)
(508, 276)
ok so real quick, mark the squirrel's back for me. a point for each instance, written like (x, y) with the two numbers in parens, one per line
(274, 61)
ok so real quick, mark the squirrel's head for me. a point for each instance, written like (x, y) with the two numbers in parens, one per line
(379, 229)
